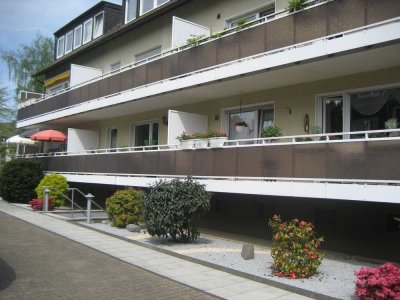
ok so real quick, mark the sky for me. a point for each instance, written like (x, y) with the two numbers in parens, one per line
(20, 20)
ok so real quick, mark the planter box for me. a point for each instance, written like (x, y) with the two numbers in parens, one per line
(239, 129)
(217, 142)
(187, 144)
(200, 143)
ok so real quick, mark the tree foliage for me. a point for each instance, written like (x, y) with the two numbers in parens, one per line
(57, 184)
(29, 60)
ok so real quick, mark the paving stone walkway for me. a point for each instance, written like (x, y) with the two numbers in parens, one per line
(204, 278)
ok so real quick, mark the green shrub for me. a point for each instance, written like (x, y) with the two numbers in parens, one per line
(271, 131)
(296, 5)
(57, 184)
(170, 208)
(18, 179)
(295, 248)
(125, 207)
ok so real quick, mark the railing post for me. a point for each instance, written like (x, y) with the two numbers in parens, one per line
(89, 197)
(46, 199)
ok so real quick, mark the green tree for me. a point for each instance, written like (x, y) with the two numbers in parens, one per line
(7, 122)
(29, 60)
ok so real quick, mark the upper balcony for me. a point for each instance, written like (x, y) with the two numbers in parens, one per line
(322, 30)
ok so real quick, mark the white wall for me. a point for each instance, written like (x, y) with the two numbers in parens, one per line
(80, 74)
(79, 139)
(182, 30)
(182, 121)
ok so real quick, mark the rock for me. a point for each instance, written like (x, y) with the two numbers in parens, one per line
(133, 228)
(142, 226)
(248, 251)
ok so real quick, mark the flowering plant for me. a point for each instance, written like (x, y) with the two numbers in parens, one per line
(295, 248)
(184, 136)
(378, 283)
(37, 204)
(199, 135)
(241, 123)
(216, 133)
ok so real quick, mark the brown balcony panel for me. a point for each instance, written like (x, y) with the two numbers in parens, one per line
(187, 61)
(381, 10)
(252, 41)
(154, 70)
(126, 80)
(228, 49)
(279, 33)
(347, 15)
(169, 66)
(94, 90)
(74, 97)
(310, 24)
(139, 76)
(352, 160)
(84, 96)
(114, 84)
(104, 87)
(206, 55)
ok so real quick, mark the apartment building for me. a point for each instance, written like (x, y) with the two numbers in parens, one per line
(127, 80)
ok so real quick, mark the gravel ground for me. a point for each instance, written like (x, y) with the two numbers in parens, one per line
(335, 277)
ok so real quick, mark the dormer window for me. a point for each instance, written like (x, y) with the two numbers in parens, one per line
(130, 10)
(98, 25)
(87, 31)
(60, 46)
(147, 5)
(68, 41)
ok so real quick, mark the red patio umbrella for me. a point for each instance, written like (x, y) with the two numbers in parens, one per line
(49, 135)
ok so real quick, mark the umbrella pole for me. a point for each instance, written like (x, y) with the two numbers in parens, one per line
(17, 152)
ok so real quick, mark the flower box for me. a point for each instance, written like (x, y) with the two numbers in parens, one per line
(239, 128)
(200, 143)
(187, 144)
(217, 142)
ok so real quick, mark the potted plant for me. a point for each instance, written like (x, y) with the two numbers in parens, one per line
(296, 5)
(271, 131)
(200, 140)
(240, 125)
(186, 140)
(392, 124)
(217, 138)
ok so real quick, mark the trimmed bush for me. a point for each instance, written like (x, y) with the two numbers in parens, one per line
(295, 248)
(378, 283)
(19, 178)
(57, 185)
(171, 207)
(125, 207)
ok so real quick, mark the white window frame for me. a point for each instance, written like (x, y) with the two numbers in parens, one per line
(60, 87)
(91, 31)
(80, 36)
(94, 23)
(147, 122)
(254, 12)
(112, 66)
(109, 128)
(155, 5)
(256, 106)
(69, 33)
(126, 11)
(62, 38)
(137, 61)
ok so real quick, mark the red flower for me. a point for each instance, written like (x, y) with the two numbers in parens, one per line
(294, 275)
(302, 223)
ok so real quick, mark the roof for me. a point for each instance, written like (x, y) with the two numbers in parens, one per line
(112, 34)
(87, 13)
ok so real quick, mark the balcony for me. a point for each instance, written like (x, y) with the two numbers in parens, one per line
(327, 20)
(358, 166)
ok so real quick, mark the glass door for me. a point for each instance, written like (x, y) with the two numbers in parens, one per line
(112, 137)
(249, 132)
(332, 114)
(145, 134)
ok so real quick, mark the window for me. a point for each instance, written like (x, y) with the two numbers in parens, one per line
(147, 5)
(333, 114)
(130, 10)
(87, 31)
(60, 46)
(98, 25)
(115, 66)
(148, 54)
(78, 36)
(68, 41)
(145, 134)
(57, 88)
(252, 16)
(256, 118)
(112, 137)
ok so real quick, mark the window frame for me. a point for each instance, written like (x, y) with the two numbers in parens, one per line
(155, 5)
(75, 46)
(109, 129)
(147, 122)
(113, 70)
(71, 33)
(94, 23)
(91, 31)
(58, 54)
(126, 11)
(140, 61)
(250, 13)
